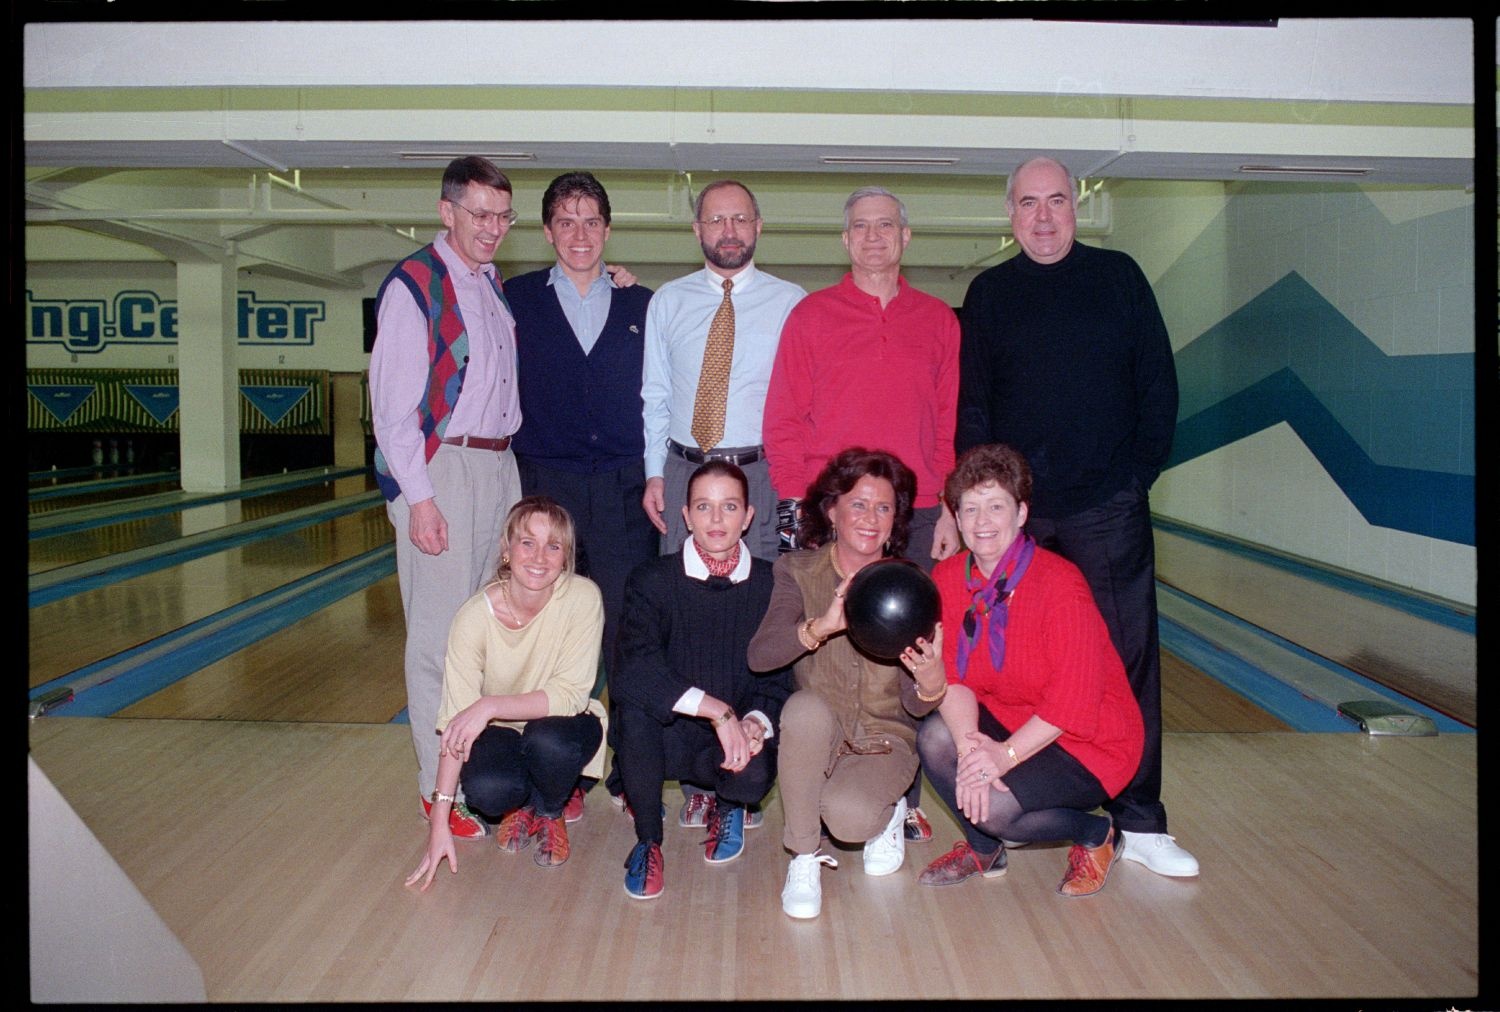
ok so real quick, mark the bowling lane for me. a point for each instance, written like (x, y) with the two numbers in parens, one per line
(75, 631)
(342, 664)
(110, 539)
(1194, 701)
(1421, 658)
(60, 497)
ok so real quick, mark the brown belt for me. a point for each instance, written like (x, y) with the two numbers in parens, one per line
(479, 442)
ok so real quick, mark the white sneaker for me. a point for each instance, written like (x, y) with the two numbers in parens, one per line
(802, 896)
(885, 851)
(1159, 852)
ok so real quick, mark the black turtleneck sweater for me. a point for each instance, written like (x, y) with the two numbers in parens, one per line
(1070, 364)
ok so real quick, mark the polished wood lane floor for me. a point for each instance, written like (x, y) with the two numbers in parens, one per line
(1334, 865)
(67, 634)
(343, 663)
(1423, 659)
(109, 539)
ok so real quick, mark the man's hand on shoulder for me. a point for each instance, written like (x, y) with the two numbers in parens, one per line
(621, 275)
(429, 531)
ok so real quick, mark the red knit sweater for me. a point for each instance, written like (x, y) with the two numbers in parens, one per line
(1059, 665)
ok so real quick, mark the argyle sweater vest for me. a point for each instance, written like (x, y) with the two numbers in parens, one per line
(426, 277)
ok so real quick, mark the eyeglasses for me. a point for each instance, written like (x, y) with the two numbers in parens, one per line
(484, 219)
(719, 220)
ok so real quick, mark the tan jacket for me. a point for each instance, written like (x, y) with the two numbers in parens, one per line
(871, 699)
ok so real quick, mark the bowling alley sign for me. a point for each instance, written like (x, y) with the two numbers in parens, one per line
(137, 318)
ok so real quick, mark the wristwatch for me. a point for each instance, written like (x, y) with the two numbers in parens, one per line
(440, 796)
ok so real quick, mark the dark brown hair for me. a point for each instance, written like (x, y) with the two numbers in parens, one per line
(842, 472)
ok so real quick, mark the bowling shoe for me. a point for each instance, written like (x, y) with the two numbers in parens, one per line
(643, 871)
(961, 863)
(917, 828)
(516, 830)
(1159, 852)
(552, 848)
(573, 810)
(1088, 867)
(726, 834)
(463, 822)
(696, 809)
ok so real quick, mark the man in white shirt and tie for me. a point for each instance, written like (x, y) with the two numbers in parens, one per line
(704, 393)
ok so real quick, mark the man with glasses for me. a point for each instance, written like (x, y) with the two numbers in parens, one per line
(710, 342)
(444, 399)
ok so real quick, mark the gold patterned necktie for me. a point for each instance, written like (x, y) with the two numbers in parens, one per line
(713, 380)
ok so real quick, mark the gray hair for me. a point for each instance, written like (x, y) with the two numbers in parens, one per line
(1011, 179)
(872, 191)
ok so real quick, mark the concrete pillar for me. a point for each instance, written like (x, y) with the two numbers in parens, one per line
(208, 374)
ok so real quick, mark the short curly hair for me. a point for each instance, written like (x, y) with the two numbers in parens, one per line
(989, 463)
(842, 472)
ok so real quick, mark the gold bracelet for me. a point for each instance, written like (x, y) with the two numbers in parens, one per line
(1015, 760)
(723, 718)
(805, 635)
(932, 699)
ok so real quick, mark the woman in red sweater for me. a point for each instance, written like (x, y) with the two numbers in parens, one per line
(1038, 726)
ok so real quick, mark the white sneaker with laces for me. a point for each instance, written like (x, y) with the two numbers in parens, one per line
(886, 850)
(802, 896)
(1159, 852)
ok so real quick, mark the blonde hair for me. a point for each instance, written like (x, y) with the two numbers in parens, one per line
(521, 513)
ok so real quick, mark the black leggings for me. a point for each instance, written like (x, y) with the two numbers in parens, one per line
(536, 766)
(1050, 796)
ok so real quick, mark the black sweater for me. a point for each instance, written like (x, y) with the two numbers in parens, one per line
(678, 633)
(1070, 364)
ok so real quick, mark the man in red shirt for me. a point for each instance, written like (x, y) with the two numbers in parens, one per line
(869, 362)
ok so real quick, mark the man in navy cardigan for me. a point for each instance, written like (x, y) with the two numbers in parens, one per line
(580, 340)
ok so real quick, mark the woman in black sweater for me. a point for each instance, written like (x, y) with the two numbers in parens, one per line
(687, 705)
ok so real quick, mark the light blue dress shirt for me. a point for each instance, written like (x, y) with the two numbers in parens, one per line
(586, 314)
(677, 321)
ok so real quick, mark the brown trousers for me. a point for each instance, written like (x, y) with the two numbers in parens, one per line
(855, 799)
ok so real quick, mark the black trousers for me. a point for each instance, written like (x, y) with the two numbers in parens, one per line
(536, 766)
(686, 749)
(1112, 545)
(614, 533)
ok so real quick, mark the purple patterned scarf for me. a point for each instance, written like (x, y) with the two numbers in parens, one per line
(990, 601)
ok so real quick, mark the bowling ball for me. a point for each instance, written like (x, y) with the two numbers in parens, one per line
(888, 605)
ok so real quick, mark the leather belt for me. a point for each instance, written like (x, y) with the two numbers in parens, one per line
(741, 457)
(479, 442)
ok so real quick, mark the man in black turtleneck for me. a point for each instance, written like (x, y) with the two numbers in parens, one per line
(1065, 357)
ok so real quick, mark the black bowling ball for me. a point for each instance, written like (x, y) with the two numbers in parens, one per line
(889, 604)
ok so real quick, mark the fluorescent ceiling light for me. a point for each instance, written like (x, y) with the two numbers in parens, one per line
(448, 156)
(857, 160)
(1315, 170)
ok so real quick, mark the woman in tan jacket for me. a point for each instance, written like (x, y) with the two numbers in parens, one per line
(848, 734)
